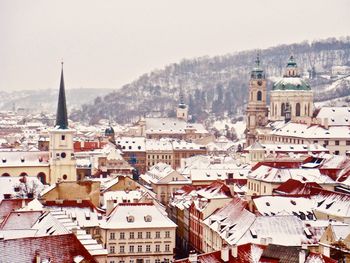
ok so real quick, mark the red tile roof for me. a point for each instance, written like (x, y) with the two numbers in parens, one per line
(58, 248)
(312, 257)
(20, 220)
(9, 205)
(246, 254)
(296, 187)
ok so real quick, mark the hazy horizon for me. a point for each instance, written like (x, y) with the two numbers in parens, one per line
(111, 43)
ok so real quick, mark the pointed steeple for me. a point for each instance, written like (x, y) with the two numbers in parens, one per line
(61, 117)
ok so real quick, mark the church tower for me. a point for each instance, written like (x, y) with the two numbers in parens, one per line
(182, 109)
(256, 111)
(62, 160)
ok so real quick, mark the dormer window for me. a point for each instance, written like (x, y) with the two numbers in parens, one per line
(130, 219)
(148, 218)
(4, 160)
(22, 159)
(87, 215)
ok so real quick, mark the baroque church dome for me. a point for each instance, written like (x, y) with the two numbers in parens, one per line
(291, 79)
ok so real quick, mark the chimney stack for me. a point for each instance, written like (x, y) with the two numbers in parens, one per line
(234, 251)
(192, 257)
(302, 256)
(225, 253)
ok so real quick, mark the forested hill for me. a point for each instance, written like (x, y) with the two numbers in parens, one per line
(215, 86)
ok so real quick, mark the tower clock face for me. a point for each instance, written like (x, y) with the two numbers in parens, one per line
(259, 82)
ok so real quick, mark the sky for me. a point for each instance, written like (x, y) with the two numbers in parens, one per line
(106, 44)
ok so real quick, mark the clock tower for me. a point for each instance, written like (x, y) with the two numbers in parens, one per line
(256, 111)
(62, 159)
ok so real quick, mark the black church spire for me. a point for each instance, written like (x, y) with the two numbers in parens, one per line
(61, 117)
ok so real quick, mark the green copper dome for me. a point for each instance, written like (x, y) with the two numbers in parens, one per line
(291, 62)
(291, 83)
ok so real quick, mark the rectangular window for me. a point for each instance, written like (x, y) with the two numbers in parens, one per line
(148, 248)
(131, 235)
(111, 249)
(347, 142)
(157, 248)
(167, 234)
(131, 249)
(336, 142)
(167, 248)
(139, 248)
(157, 261)
(122, 235)
(63, 137)
(148, 235)
(139, 234)
(112, 236)
(157, 234)
(336, 152)
(122, 249)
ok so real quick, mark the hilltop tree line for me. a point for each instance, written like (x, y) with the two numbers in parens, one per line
(213, 86)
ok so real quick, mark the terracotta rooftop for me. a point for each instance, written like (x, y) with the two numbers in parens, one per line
(58, 249)
(296, 187)
(246, 253)
(20, 220)
(9, 205)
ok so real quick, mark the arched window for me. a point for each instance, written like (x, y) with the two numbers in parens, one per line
(23, 174)
(42, 177)
(282, 109)
(5, 175)
(259, 96)
(297, 109)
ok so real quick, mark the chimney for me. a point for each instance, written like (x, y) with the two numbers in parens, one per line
(234, 251)
(110, 206)
(225, 253)
(192, 257)
(325, 123)
(302, 256)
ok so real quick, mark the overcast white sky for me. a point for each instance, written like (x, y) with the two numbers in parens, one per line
(106, 44)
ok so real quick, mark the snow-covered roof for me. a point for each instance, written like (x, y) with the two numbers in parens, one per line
(301, 130)
(333, 203)
(134, 144)
(337, 116)
(121, 196)
(285, 205)
(157, 172)
(296, 148)
(282, 230)
(231, 221)
(341, 232)
(171, 125)
(23, 158)
(280, 175)
(137, 215)
(158, 145)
